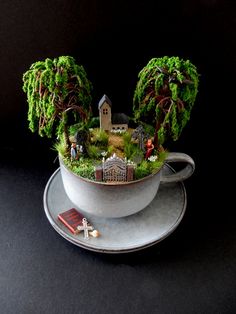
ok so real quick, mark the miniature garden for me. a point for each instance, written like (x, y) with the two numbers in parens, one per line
(90, 144)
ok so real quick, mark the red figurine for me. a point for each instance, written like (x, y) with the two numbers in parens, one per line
(149, 148)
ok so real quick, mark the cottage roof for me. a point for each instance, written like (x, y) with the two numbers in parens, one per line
(120, 118)
(104, 99)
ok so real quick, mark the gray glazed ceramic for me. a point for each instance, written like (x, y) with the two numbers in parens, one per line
(121, 235)
(112, 200)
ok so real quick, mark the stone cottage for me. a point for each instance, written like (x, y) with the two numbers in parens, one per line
(109, 121)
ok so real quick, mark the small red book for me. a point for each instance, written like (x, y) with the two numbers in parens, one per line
(71, 219)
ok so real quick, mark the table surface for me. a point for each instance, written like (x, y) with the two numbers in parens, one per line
(192, 271)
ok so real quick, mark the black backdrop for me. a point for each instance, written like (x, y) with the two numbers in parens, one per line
(114, 40)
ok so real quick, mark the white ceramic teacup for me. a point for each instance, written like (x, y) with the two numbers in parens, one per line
(113, 200)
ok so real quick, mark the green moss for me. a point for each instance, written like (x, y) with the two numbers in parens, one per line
(60, 146)
(74, 128)
(149, 129)
(131, 150)
(110, 149)
(94, 122)
(155, 165)
(162, 155)
(142, 170)
(126, 137)
(83, 167)
(100, 137)
(147, 167)
(94, 152)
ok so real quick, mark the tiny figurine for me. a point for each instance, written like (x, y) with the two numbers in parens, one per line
(86, 228)
(74, 151)
(149, 148)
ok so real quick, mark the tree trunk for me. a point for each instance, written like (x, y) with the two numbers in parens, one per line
(66, 131)
(155, 141)
(66, 134)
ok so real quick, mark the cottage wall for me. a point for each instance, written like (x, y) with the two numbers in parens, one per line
(120, 127)
(105, 117)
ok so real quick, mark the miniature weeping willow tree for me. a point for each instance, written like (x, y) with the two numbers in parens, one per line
(54, 88)
(164, 96)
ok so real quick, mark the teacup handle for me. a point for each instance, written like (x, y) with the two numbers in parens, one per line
(182, 174)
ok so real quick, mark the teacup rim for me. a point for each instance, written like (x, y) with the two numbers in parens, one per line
(109, 183)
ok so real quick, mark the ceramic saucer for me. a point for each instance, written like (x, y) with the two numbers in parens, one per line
(121, 235)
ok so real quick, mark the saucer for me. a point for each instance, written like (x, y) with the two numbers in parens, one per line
(121, 235)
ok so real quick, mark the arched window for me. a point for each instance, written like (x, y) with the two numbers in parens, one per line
(105, 111)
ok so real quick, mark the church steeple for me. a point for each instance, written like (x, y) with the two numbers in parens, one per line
(104, 107)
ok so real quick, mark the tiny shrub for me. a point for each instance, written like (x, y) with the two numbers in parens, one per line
(100, 137)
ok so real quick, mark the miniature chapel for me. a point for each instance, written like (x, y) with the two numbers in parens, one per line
(109, 121)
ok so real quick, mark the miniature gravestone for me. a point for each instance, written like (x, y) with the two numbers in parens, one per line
(140, 135)
(82, 137)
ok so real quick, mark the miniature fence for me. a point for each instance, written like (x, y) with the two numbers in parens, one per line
(114, 169)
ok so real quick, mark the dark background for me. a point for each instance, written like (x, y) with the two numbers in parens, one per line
(193, 271)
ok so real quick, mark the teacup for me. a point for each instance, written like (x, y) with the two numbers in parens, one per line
(114, 200)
